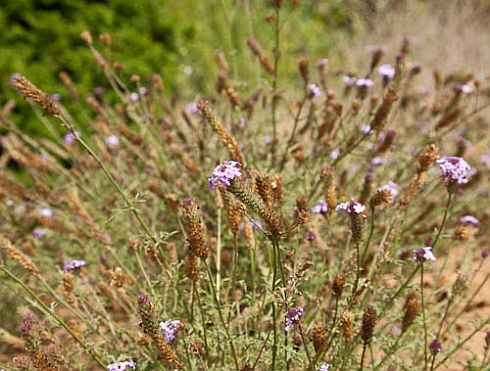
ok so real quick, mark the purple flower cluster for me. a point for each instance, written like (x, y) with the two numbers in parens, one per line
(423, 254)
(386, 71)
(320, 208)
(224, 173)
(70, 138)
(324, 367)
(293, 317)
(121, 366)
(46, 212)
(454, 170)
(469, 219)
(391, 188)
(364, 83)
(39, 233)
(435, 346)
(314, 90)
(74, 264)
(112, 141)
(170, 329)
(351, 207)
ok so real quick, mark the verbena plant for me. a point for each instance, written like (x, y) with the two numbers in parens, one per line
(287, 230)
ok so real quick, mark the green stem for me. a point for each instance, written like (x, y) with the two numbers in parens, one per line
(424, 319)
(305, 344)
(222, 319)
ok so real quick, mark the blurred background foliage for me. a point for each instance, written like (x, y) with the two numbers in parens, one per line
(177, 39)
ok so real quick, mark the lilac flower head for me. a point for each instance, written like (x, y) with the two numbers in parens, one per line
(469, 219)
(454, 170)
(310, 236)
(377, 161)
(423, 254)
(74, 264)
(349, 80)
(334, 154)
(56, 97)
(112, 141)
(70, 138)
(25, 326)
(224, 173)
(428, 241)
(351, 207)
(485, 253)
(293, 317)
(366, 129)
(465, 89)
(39, 233)
(170, 329)
(122, 366)
(391, 188)
(364, 83)
(386, 71)
(142, 298)
(435, 346)
(143, 90)
(324, 367)
(191, 108)
(134, 97)
(320, 208)
(314, 90)
(46, 212)
(322, 63)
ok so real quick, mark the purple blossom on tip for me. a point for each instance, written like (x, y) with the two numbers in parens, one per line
(73, 264)
(46, 212)
(310, 236)
(112, 141)
(351, 207)
(386, 71)
(390, 187)
(134, 97)
(25, 326)
(99, 90)
(121, 366)
(293, 317)
(10, 203)
(465, 89)
(364, 83)
(191, 108)
(324, 367)
(428, 240)
(454, 170)
(423, 254)
(334, 154)
(435, 346)
(143, 90)
(366, 129)
(469, 219)
(485, 253)
(377, 161)
(349, 80)
(56, 97)
(39, 233)
(320, 208)
(314, 90)
(267, 139)
(224, 173)
(142, 298)
(70, 138)
(322, 62)
(170, 329)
